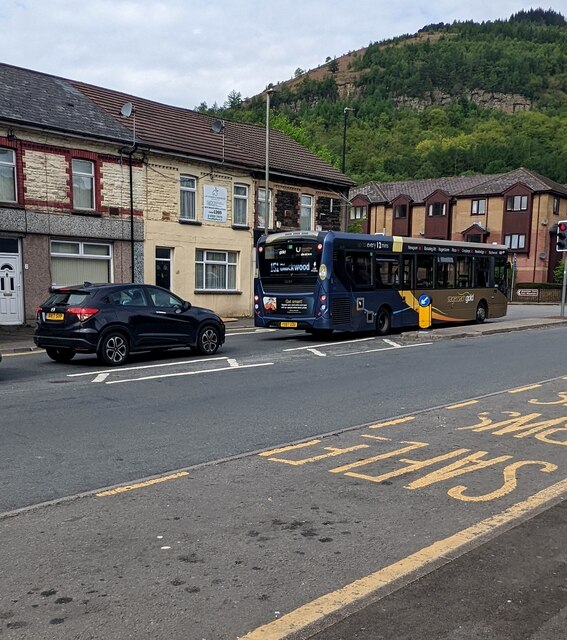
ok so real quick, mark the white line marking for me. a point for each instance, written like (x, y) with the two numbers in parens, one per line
(101, 377)
(317, 352)
(145, 366)
(189, 373)
(394, 344)
(232, 362)
(404, 346)
(331, 344)
(246, 332)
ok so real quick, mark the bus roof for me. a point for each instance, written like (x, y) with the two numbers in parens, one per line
(425, 242)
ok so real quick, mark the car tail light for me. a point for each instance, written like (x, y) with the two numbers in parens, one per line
(38, 311)
(83, 313)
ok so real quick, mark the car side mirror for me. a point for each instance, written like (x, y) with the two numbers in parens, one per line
(186, 305)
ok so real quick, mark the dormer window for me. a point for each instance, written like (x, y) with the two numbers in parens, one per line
(517, 203)
(437, 209)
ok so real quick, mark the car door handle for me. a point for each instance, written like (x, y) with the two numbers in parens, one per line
(162, 312)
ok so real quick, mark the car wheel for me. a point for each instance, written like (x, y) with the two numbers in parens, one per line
(383, 322)
(60, 355)
(208, 341)
(114, 349)
(481, 313)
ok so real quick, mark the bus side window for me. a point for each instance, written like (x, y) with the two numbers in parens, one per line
(407, 273)
(424, 272)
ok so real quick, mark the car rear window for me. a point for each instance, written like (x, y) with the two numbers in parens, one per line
(73, 298)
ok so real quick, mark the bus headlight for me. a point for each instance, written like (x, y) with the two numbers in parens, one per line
(323, 271)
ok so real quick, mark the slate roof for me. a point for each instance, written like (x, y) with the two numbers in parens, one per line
(40, 100)
(37, 99)
(462, 186)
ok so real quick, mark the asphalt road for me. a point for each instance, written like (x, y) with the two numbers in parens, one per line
(415, 512)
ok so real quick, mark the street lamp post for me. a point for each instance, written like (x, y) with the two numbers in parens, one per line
(267, 191)
(346, 110)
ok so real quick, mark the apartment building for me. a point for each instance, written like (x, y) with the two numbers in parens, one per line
(519, 208)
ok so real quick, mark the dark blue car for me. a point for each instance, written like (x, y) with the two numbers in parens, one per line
(114, 320)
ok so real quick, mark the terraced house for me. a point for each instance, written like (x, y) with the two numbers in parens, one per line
(103, 186)
(519, 209)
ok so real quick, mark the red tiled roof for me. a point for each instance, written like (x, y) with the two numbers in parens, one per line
(174, 129)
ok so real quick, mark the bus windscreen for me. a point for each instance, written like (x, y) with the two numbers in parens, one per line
(286, 258)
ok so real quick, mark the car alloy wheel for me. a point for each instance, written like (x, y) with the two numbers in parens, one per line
(114, 349)
(209, 340)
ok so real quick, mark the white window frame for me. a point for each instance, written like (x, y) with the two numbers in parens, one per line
(515, 241)
(204, 258)
(240, 200)
(8, 173)
(478, 207)
(87, 180)
(262, 205)
(191, 191)
(81, 252)
(517, 203)
(306, 211)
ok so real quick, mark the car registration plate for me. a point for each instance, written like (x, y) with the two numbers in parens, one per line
(288, 325)
(55, 316)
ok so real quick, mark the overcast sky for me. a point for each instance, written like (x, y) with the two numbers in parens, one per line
(185, 52)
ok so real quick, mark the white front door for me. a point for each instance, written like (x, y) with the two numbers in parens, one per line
(11, 307)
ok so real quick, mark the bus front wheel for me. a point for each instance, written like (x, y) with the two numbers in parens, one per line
(481, 313)
(383, 322)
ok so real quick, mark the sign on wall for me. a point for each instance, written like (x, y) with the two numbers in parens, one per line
(214, 203)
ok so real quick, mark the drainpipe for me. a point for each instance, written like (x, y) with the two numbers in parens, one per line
(131, 211)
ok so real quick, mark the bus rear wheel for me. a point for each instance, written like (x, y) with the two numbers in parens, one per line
(481, 313)
(383, 322)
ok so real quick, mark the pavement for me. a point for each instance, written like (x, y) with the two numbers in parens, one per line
(19, 339)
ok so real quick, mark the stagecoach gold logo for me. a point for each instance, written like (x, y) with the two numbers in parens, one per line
(462, 297)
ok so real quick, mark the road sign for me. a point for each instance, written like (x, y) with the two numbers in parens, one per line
(424, 311)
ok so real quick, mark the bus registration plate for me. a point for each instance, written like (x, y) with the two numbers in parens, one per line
(288, 325)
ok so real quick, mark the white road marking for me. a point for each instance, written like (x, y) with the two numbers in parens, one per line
(401, 346)
(317, 352)
(394, 344)
(101, 377)
(331, 344)
(232, 362)
(145, 366)
(190, 373)
(247, 332)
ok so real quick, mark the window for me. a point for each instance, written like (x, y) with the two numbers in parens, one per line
(164, 299)
(7, 175)
(437, 209)
(240, 207)
(358, 213)
(445, 272)
(131, 297)
(401, 211)
(75, 262)
(187, 198)
(478, 207)
(515, 241)
(464, 271)
(306, 213)
(424, 272)
(163, 267)
(215, 270)
(473, 237)
(517, 203)
(555, 206)
(262, 208)
(83, 184)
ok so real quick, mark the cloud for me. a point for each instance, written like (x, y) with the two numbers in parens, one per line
(185, 52)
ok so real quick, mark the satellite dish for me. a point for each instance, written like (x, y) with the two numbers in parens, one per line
(217, 126)
(126, 110)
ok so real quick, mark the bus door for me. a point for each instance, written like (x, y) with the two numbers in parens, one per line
(407, 286)
(355, 270)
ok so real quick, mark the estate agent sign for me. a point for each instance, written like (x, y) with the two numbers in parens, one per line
(214, 203)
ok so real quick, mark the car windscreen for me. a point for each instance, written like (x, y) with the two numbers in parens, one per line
(69, 298)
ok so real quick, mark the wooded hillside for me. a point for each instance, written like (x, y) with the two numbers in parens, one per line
(455, 99)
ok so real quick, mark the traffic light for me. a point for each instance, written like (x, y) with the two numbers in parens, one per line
(562, 235)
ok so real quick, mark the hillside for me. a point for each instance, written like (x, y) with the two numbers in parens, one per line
(453, 99)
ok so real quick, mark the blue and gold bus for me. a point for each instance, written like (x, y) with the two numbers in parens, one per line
(325, 281)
